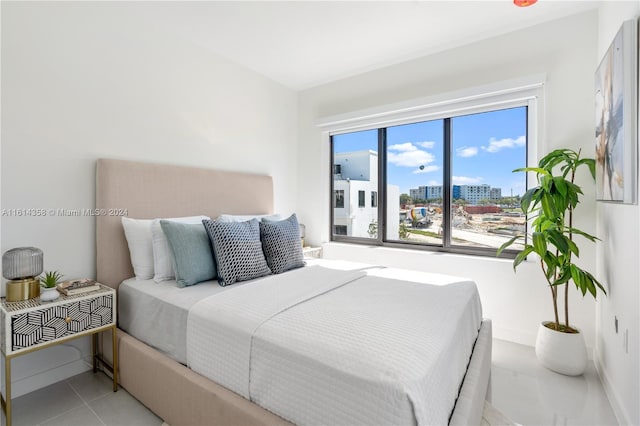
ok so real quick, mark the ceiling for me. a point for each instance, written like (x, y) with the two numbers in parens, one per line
(301, 44)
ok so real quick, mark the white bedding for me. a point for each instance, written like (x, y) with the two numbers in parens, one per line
(319, 345)
(156, 313)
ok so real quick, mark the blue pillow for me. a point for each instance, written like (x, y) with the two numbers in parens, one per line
(237, 250)
(193, 259)
(281, 244)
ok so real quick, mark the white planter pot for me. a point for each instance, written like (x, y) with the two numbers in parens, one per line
(564, 353)
(48, 294)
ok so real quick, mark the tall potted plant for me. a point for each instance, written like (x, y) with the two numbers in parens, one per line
(559, 345)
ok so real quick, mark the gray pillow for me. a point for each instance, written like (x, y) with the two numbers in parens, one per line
(237, 250)
(192, 256)
(281, 244)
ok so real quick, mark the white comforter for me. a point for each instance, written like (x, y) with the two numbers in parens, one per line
(323, 346)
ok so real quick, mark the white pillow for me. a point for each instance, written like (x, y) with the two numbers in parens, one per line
(162, 255)
(138, 233)
(246, 217)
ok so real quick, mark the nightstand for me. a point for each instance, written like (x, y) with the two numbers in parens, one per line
(312, 252)
(31, 325)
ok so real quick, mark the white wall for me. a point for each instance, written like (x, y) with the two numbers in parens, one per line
(618, 266)
(82, 81)
(564, 50)
(358, 165)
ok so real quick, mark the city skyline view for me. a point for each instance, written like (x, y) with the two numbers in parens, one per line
(486, 147)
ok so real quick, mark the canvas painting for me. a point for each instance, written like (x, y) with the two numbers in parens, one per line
(616, 118)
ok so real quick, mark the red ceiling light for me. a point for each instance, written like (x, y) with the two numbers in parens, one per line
(524, 3)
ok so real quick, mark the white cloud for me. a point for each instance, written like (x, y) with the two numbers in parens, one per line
(403, 147)
(496, 145)
(415, 158)
(467, 151)
(433, 183)
(466, 180)
(426, 144)
(407, 154)
(427, 169)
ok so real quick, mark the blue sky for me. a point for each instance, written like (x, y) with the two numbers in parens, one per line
(486, 146)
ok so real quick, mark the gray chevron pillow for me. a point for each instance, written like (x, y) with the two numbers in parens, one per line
(237, 250)
(281, 244)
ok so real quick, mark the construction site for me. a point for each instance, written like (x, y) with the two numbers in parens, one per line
(476, 226)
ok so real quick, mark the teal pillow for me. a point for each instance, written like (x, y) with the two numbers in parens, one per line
(192, 255)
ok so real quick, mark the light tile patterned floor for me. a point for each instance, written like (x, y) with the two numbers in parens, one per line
(491, 416)
(529, 394)
(83, 400)
(522, 392)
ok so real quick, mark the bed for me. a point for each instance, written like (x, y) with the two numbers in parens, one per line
(156, 376)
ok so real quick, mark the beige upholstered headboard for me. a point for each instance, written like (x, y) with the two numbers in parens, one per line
(150, 191)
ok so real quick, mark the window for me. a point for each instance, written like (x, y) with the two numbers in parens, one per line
(340, 230)
(338, 199)
(337, 169)
(446, 184)
(357, 153)
(360, 198)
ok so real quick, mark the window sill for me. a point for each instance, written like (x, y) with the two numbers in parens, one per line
(333, 249)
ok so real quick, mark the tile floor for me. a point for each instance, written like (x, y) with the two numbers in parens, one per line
(83, 400)
(529, 394)
(521, 389)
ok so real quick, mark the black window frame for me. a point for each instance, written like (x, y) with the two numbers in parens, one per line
(447, 197)
(374, 199)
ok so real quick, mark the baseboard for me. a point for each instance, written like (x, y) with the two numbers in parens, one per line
(515, 336)
(621, 415)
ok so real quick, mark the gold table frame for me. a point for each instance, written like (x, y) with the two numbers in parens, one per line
(95, 356)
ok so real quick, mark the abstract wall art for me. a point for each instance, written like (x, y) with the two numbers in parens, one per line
(616, 120)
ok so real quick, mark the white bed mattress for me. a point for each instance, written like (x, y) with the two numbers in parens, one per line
(318, 346)
(378, 345)
(156, 313)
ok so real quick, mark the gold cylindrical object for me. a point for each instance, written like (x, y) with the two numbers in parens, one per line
(23, 289)
(34, 288)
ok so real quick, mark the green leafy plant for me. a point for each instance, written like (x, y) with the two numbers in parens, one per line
(373, 229)
(551, 205)
(50, 279)
(403, 231)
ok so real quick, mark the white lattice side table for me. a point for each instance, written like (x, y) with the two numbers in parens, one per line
(31, 325)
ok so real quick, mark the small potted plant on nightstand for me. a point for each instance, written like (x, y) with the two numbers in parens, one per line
(48, 282)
